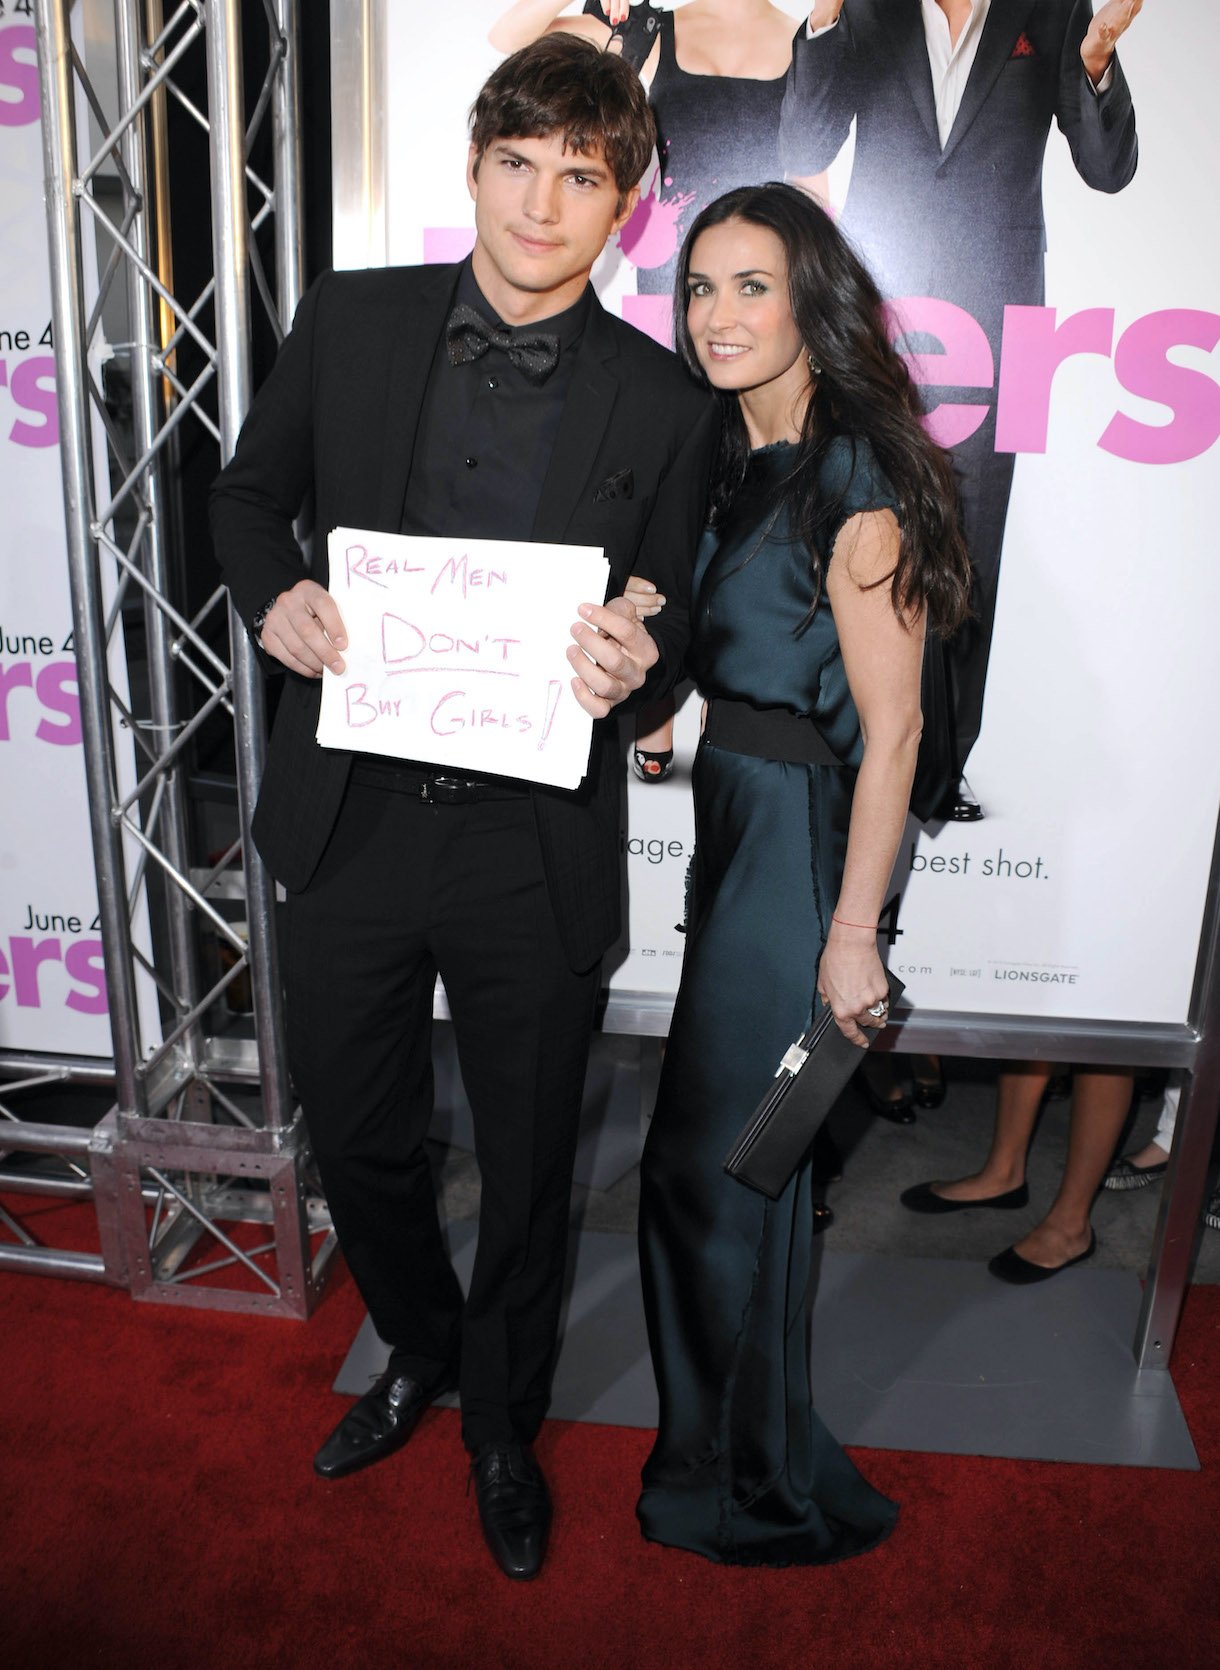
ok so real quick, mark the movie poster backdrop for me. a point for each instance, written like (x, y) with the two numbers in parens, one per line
(1080, 892)
(52, 975)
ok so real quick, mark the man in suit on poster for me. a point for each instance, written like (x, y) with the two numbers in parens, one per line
(953, 102)
(493, 399)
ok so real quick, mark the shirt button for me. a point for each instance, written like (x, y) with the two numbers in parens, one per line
(472, 463)
(493, 382)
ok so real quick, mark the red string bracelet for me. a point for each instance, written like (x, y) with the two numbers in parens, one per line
(869, 927)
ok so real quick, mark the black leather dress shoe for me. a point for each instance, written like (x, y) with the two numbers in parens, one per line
(377, 1424)
(1011, 1267)
(921, 1197)
(514, 1507)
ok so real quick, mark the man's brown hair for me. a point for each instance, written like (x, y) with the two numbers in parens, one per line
(563, 84)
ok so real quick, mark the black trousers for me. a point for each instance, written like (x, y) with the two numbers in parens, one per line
(405, 890)
(985, 483)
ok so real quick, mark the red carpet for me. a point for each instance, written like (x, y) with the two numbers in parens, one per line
(158, 1508)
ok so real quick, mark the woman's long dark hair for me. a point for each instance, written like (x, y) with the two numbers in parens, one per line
(863, 390)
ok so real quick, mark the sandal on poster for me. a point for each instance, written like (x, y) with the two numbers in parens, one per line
(652, 768)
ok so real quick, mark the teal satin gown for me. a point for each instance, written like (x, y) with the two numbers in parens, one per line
(743, 1471)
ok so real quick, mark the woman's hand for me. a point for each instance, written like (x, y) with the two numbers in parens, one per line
(852, 981)
(616, 11)
(643, 597)
(824, 13)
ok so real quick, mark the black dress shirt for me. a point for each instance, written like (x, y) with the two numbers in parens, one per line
(481, 455)
(486, 433)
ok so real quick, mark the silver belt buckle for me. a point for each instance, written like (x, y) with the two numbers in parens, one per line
(442, 791)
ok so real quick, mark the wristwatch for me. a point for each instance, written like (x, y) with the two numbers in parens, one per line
(260, 620)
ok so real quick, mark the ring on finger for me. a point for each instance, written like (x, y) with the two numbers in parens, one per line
(879, 1009)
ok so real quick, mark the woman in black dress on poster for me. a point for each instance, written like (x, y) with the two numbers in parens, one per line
(715, 72)
(833, 541)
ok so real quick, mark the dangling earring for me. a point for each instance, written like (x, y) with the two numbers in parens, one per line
(813, 365)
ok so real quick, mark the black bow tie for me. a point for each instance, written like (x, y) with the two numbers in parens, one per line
(468, 336)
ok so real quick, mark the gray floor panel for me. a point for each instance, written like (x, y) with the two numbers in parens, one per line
(909, 1354)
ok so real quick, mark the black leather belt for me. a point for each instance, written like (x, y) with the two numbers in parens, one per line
(769, 733)
(434, 788)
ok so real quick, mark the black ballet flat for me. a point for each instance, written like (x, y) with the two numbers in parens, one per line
(1009, 1266)
(928, 1093)
(921, 1197)
(897, 1109)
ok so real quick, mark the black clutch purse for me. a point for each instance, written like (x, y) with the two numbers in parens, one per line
(807, 1083)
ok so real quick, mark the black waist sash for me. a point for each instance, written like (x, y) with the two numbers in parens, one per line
(769, 733)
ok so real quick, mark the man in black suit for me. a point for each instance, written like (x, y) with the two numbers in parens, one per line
(494, 399)
(953, 102)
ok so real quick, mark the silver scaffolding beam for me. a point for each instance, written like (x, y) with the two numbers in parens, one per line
(193, 1184)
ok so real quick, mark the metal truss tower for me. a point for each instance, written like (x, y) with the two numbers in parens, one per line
(202, 1191)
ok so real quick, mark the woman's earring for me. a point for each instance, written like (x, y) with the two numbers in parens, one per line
(813, 365)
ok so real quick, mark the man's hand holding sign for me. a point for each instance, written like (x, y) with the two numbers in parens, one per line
(448, 651)
(304, 631)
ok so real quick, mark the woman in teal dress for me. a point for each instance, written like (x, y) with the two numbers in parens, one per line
(833, 541)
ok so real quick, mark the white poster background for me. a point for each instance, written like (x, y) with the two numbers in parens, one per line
(1082, 891)
(52, 981)
(456, 652)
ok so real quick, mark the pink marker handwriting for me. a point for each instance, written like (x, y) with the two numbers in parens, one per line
(453, 714)
(365, 565)
(458, 572)
(552, 702)
(402, 642)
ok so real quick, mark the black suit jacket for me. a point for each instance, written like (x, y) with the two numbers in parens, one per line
(338, 415)
(964, 223)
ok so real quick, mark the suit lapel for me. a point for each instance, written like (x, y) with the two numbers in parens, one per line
(899, 30)
(1005, 21)
(586, 413)
(427, 297)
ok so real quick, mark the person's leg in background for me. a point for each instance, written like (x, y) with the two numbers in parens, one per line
(1137, 1171)
(1101, 1099)
(1000, 1181)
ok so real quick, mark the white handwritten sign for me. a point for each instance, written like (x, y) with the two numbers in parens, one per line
(456, 652)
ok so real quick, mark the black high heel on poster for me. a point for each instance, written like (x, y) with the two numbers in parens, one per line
(652, 768)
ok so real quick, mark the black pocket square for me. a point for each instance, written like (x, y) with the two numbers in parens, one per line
(618, 486)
